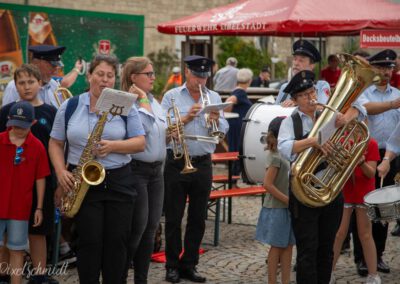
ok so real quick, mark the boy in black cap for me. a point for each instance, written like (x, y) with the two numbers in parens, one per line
(314, 228)
(47, 58)
(195, 186)
(305, 55)
(382, 102)
(23, 163)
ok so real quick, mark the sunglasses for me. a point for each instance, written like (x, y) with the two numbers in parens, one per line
(148, 74)
(18, 152)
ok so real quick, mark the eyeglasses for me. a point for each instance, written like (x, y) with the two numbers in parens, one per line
(148, 74)
(18, 152)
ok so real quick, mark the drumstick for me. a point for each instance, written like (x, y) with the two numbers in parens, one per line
(381, 182)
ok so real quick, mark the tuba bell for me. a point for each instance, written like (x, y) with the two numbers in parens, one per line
(316, 187)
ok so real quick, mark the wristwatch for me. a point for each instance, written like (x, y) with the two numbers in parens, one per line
(385, 158)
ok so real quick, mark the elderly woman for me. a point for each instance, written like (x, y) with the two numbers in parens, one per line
(138, 77)
(104, 220)
(241, 104)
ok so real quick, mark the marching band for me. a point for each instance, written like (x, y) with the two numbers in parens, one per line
(116, 173)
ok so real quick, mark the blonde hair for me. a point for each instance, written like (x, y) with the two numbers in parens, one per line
(131, 66)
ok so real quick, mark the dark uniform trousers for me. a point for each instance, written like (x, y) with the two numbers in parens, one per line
(379, 229)
(103, 224)
(315, 231)
(178, 189)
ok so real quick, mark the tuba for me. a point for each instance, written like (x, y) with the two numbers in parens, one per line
(316, 187)
(179, 146)
(64, 93)
(87, 173)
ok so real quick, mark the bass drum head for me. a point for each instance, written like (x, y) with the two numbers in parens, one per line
(251, 151)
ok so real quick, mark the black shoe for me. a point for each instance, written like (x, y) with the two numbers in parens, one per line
(362, 269)
(192, 275)
(383, 267)
(396, 231)
(172, 275)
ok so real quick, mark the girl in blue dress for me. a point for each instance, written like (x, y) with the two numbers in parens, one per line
(274, 225)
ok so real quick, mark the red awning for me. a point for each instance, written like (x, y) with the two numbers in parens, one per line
(289, 17)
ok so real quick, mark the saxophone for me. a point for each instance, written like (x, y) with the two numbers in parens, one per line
(311, 185)
(87, 173)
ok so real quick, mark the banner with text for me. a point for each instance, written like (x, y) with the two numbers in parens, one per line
(380, 39)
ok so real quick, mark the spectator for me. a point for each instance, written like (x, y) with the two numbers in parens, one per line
(175, 80)
(395, 80)
(23, 164)
(241, 104)
(262, 80)
(332, 72)
(225, 78)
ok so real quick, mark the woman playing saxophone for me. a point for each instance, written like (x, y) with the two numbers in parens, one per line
(104, 219)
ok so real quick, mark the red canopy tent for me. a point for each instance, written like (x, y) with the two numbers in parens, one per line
(289, 18)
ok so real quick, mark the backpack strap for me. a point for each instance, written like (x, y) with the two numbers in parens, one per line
(72, 104)
(297, 126)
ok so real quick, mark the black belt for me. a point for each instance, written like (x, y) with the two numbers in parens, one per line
(149, 164)
(195, 159)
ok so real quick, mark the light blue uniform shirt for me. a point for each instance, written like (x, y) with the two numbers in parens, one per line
(184, 102)
(393, 143)
(46, 93)
(154, 125)
(82, 123)
(286, 135)
(322, 87)
(381, 125)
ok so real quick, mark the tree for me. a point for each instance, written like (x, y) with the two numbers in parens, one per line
(163, 62)
(247, 54)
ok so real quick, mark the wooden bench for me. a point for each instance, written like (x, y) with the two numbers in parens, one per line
(232, 192)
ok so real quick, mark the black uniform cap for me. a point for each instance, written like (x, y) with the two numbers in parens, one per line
(304, 47)
(48, 52)
(199, 65)
(385, 58)
(300, 82)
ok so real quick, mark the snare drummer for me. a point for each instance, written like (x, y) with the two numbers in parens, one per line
(382, 103)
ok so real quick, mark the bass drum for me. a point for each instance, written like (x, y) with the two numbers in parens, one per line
(255, 126)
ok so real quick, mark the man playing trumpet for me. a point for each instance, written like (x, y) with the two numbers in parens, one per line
(196, 185)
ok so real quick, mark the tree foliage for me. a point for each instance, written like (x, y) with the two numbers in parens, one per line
(247, 54)
(163, 62)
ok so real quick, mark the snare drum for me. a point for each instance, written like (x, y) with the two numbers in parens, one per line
(255, 126)
(383, 204)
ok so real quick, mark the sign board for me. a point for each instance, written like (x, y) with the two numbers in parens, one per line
(83, 33)
(380, 39)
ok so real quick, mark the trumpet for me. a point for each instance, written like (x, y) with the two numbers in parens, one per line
(210, 123)
(179, 146)
(65, 95)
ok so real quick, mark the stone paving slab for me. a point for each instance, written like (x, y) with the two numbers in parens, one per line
(241, 259)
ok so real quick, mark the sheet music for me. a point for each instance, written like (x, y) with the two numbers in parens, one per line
(116, 101)
(326, 131)
(212, 107)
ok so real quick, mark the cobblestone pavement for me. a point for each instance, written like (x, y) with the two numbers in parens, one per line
(241, 259)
